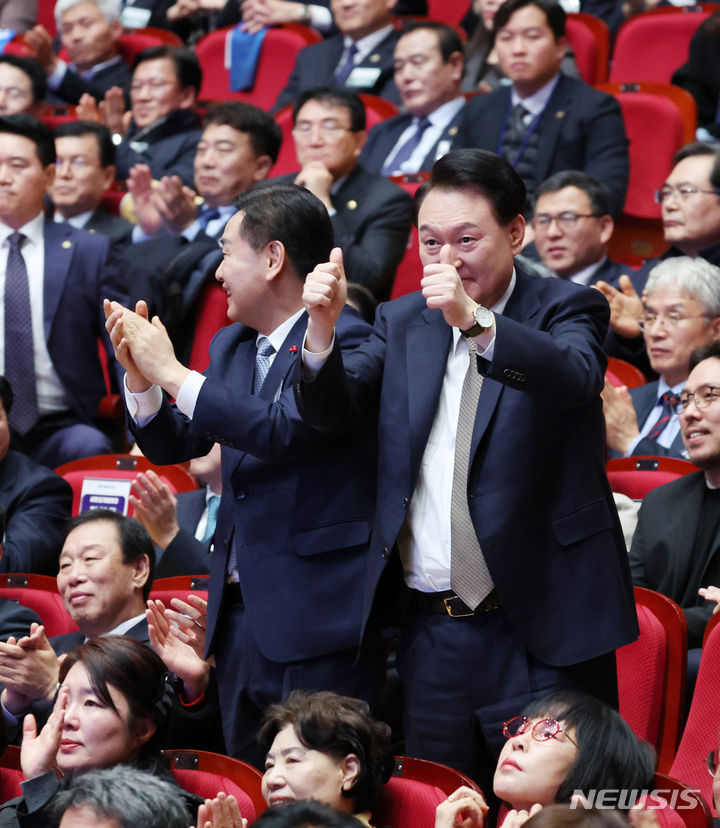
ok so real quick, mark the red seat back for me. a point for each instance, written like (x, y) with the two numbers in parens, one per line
(651, 46)
(277, 59)
(179, 586)
(686, 806)
(38, 593)
(651, 674)
(700, 735)
(636, 476)
(644, 106)
(620, 372)
(409, 271)
(589, 37)
(211, 316)
(206, 774)
(11, 774)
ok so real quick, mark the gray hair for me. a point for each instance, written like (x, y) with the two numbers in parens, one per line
(110, 9)
(695, 276)
(123, 793)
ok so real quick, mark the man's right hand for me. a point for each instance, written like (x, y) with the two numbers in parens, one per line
(136, 380)
(40, 41)
(625, 307)
(324, 297)
(29, 669)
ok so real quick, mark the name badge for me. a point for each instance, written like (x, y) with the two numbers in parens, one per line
(363, 77)
(132, 18)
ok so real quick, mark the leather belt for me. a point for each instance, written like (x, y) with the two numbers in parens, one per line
(448, 603)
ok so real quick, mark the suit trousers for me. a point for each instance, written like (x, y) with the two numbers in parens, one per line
(463, 677)
(248, 682)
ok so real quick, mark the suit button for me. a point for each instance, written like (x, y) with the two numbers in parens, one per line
(240, 495)
(386, 553)
(406, 502)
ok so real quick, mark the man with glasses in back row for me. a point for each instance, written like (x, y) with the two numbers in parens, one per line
(676, 544)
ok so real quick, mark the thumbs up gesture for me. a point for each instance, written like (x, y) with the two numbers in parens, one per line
(442, 288)
(324, 297)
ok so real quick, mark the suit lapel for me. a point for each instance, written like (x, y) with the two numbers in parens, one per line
(284, 360)
(59, 250)
(428, 343)
(552, 123)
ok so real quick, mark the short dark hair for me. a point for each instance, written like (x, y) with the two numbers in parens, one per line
(34, 70)
(135, 671)
(264, 134)
(308, 813)
(609, 756)
(126, 795)
(448, 39)
(706, 352)
(479, 171)
(596, 191)
(28, 126)
(6, 394)
(289, 214)
(554, 13)
(75, 129)
(134, 539)
(335, 96)
(337, 726)
(701, 148)
(362, 299)
(187, 66)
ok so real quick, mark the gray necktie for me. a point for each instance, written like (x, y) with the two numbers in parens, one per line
(262, 362)
(19, 354)
(469, 575)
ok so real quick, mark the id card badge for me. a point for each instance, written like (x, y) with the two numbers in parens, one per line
(134, 18)
(363, 77)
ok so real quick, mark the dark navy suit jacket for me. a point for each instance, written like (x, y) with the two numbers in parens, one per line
(185, 555)
(299, 517)
(581, 129)
(315, 66)
(383, 137)
(538, 492)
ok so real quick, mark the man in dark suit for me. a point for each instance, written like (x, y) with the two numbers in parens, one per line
(89, 31)
(681, 312)
(291, 542)
(428, 70)
(84, 169)
(35, 505)
(546, 122)
(371, 216)
(503, 563)
(677, 540)
(106, 571)
(360, 57)
(572, 227)
(55, 276)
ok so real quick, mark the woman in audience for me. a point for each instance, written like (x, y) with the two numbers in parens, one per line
(112, 707)
(325, 747)
(563, 745)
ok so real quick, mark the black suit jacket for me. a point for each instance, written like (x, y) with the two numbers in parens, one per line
(15, 619)
(316, 65)
(661, 555)
(185, 555)
(117, 229)
(37, 506)
(383, 137)
(372, 226)
(581, 129)
(73, 85)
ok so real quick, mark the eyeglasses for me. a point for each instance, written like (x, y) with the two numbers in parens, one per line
(75, 163)
(712, 762)
(153, 83)
(669, 321)
(327, 128)
(566, 221)
(703, 397)
(541, 731)
(683, 190)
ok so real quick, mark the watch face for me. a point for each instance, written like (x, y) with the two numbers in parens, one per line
(484, 317)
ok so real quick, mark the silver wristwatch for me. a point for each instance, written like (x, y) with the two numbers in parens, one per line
(484, 319)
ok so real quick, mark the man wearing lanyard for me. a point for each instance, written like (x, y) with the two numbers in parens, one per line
(545, 122)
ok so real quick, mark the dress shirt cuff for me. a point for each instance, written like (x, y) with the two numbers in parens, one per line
(485, 351)
(144, 406)
(55, 78)
(313, 362)
(631, 446)
(138, 235)
(189, 391)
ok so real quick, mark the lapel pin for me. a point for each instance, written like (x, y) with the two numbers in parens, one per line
(453, 130)
(67, 244)
(560, 114)
(352, 204)
(293, 349)
(374, 58)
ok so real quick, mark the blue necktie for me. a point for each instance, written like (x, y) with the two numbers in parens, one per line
(19, 354)
(342, 73)
(262, 362)
(669, 402)
(213, 505)
(407, 149)
(206, 216)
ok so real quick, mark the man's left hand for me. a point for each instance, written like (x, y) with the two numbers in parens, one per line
(621, 425)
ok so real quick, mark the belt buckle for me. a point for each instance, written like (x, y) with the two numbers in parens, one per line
(456, 613)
